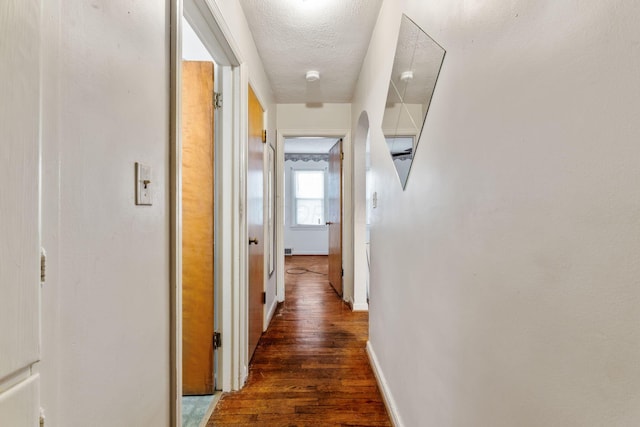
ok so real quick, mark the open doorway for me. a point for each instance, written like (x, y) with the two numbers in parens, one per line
(313, 202)
(199, 350)
(365, 202)
(201, 24)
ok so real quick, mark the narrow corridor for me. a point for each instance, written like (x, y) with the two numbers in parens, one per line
(311, 366)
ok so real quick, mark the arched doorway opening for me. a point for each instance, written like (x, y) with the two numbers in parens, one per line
(360, 217)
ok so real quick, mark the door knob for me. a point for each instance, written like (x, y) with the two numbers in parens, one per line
(328, 223)
(253, 240)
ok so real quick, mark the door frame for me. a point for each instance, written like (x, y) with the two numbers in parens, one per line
(207, 20)
(347, 206)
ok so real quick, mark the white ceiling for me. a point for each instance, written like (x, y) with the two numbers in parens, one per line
(307, 145)
(295, 36)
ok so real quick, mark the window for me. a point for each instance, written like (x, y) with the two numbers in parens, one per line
(308, 197)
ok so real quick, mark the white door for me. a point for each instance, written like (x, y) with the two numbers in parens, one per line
(19, 211)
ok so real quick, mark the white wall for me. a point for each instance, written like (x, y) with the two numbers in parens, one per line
(105, 338)
(302, 240)
(314, 117)
(504, 285)
(51, 293)
(105, 344)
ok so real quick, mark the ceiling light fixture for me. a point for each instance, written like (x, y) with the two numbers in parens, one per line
(406, 76)
(312, 76)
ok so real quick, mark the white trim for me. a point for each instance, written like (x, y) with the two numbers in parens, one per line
(359, 189)
(225, 231)
(270, 311)
(209, 25)
(241, 303)
(349, 301)
(266, 238)
(357, 306)
(389, 401)
(363, 306)
(280, 215)
(303, 253)
(15, 378)
(308, 227)
(175, 213)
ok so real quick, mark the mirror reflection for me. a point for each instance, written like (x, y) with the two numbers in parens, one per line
(416, 67)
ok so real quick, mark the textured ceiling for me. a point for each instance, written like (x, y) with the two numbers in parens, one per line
(294, 36)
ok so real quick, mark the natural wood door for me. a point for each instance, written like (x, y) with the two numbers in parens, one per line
(197, 228)
(19, 211)
(255, 208)
(334, 216)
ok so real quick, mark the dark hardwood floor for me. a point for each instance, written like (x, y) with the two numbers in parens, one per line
(310, 368)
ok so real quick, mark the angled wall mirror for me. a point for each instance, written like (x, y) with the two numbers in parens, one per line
(416, 67)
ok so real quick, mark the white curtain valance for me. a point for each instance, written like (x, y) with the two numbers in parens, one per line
(306, 157)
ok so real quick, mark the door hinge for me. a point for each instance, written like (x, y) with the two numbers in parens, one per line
(264, 297)
(264, 136)
(342, 272)
(341, 156)
(217, 100)
(217, 340)
(43, 265)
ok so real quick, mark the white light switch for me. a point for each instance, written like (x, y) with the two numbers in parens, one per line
(143, 184)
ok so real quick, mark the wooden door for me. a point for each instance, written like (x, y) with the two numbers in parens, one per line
(255, 208)
(19, 211)
(197, 228)
(334, 216)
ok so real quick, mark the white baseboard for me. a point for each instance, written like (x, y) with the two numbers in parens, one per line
(243, 377)
(389, 402)
(349, 301)
(309, 253)
(362, 306)
(270, 312)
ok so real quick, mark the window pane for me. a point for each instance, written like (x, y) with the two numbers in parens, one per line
(310, 212)
(310, 184)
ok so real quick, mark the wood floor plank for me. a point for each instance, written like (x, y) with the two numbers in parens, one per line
(311, 366)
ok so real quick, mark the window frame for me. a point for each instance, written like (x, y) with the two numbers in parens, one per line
(294, 199)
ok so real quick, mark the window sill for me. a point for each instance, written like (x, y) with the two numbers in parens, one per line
(308, 227)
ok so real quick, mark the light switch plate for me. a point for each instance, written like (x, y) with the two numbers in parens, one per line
(143, 184)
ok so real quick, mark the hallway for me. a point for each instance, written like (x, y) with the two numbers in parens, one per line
(311, 366)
